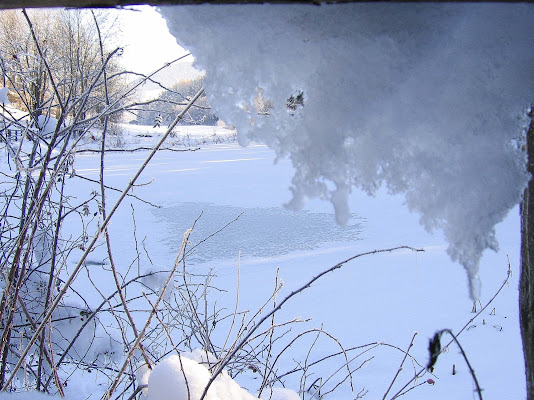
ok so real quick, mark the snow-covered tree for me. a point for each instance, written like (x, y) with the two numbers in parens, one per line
(70, 43)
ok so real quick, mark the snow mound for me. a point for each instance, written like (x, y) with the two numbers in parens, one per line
(427, 99)
(181, 377)
(168, 380)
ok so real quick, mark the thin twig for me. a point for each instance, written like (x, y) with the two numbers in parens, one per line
(134, 150)
(508, 275)
(118, 190)
(400, 366)
(234, 314)
(271, 334)
(471, 370)
(422, 371)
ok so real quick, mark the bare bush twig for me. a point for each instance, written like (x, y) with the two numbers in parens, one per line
(286, 299)
(71, 278)
(400, 366)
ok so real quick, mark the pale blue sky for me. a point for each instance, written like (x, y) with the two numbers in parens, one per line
(148, 43)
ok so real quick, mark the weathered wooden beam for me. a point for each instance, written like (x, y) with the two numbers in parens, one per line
(5, 4)
(526, 284)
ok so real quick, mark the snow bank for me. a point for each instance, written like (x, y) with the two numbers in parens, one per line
(428, 99)
(182, 377)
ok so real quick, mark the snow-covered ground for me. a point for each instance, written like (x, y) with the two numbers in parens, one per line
(382, 298)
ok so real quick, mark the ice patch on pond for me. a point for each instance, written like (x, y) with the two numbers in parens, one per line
(258, 232)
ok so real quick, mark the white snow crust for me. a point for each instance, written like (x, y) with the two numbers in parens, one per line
(279, 393)
(426, 99)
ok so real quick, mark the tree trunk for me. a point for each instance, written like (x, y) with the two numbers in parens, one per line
(526, 284)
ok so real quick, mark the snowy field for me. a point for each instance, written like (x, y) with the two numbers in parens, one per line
(129, 136)
(382, 299)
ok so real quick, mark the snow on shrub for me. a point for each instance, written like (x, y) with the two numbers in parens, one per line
(178, 378)
(426, 99)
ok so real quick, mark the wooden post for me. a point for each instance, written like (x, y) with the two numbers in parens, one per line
(526, 283)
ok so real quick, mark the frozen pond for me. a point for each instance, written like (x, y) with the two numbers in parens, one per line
(381, 298)
(238, 189)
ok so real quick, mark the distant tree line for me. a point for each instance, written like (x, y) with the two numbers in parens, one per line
(60, 54)
(169, 103)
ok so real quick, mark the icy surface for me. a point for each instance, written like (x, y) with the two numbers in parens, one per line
(428, 100)
(285, 231)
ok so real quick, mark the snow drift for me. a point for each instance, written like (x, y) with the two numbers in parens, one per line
(186, 376)
(428, 99)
